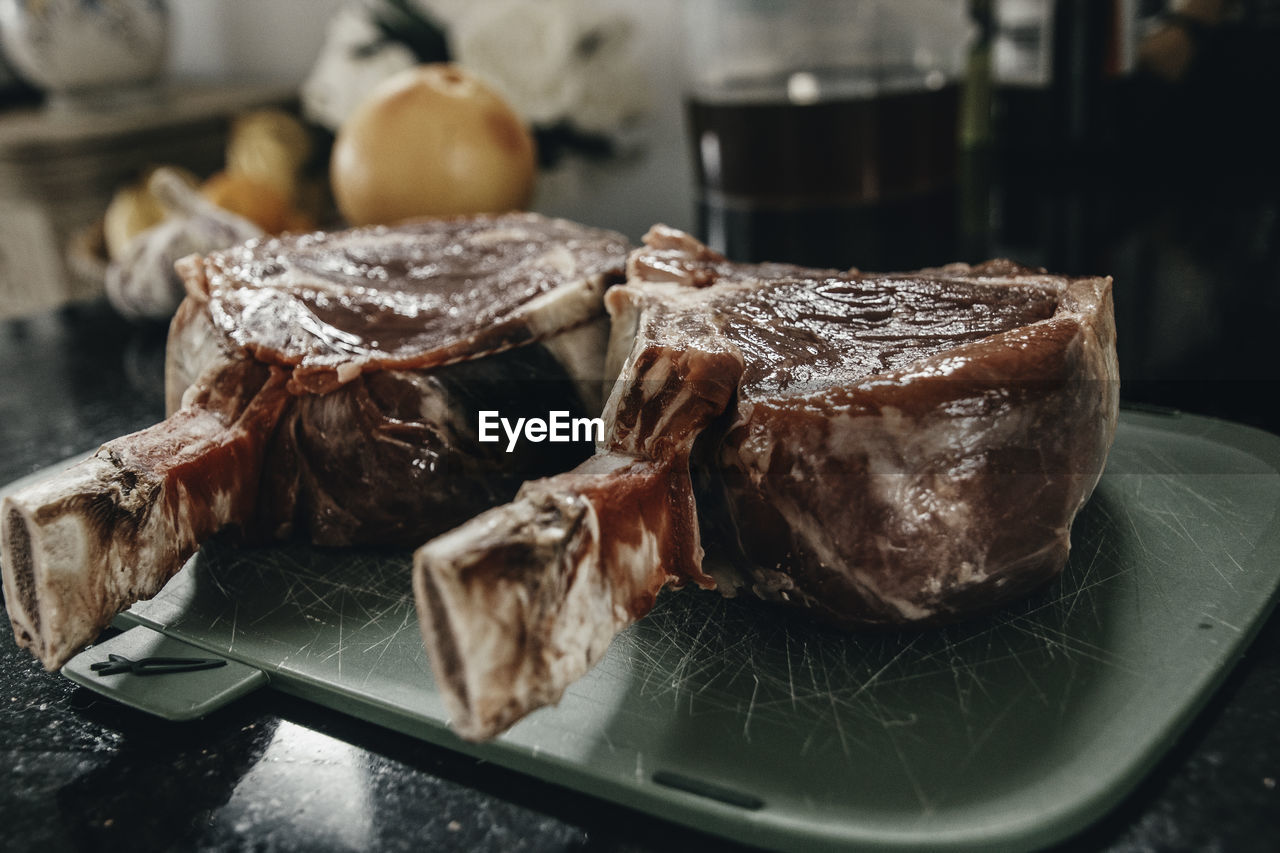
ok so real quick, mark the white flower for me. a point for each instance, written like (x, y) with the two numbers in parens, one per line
(524, 49)
(614, 94)
(554, 60)
(345, 72)
(615, 88)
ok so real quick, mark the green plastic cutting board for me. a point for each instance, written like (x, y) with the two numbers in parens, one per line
(1010, 732)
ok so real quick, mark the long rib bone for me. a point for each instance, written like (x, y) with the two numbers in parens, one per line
(83, 545)
(522, 600)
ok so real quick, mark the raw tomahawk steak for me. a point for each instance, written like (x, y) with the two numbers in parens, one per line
(874, 449)
(323, 385)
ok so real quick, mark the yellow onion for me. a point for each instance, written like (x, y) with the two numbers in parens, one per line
(431, 141)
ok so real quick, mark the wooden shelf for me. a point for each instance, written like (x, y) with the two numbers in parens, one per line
(59, 167)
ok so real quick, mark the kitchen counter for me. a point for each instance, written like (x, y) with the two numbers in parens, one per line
(1197, 286)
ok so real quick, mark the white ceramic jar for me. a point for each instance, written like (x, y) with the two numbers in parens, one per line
(78, 47)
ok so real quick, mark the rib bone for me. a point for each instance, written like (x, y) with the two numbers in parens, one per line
(519, 602)
(83, 545)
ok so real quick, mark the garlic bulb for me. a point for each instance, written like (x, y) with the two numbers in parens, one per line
(133, 209)
(142, 284)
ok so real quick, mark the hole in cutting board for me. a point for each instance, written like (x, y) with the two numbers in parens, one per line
(710, 790)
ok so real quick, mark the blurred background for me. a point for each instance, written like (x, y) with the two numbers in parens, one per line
(1129, 138)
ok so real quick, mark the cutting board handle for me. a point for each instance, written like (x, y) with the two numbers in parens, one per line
(147, 670)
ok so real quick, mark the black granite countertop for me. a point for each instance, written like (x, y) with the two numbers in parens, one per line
(1197, 293)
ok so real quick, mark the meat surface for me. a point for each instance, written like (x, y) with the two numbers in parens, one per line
(874, 449)
(332, 306)
(324, 385)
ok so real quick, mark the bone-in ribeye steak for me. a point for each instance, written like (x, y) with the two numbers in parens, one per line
(876, 449)
(323, 385)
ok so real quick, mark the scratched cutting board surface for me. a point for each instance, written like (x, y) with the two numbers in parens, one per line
(1009, 732)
